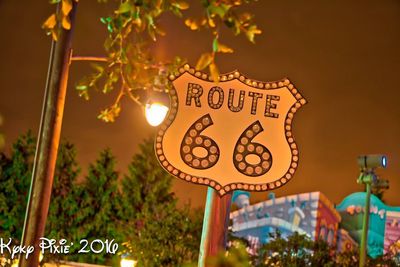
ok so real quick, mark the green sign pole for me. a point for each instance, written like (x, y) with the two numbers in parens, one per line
(367, 180)
(215, 225)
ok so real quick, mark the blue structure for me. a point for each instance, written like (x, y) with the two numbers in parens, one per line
(314, 215)
(311, 214)
(352, 210)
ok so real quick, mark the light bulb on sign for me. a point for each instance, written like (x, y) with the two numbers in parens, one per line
(155, 113)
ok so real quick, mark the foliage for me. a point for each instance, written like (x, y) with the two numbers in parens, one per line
(379, 188)
(387, 261)
(159, 233)
(62, 202)
(98, 203)
(141, 212)
(64, 206)
(394, 251)
(299, 250)
(296, 250)
(236, 256)
(58, 20)
(132, 27)
(15, 174)
(348, 258)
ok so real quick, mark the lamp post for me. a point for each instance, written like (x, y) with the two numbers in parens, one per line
(368, 164)
(49, 137)
(48, 141)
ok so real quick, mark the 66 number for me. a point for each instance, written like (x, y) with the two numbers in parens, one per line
(249, 158)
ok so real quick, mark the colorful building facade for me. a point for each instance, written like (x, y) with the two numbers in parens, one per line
(314, 215)
(383, 231)
(311, 214)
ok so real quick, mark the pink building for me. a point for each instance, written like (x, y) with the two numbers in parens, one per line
(392, 233)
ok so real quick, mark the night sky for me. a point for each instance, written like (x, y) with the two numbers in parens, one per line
(343, 56)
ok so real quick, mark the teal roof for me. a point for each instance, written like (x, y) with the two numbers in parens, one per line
(358, 199)
(353, 222)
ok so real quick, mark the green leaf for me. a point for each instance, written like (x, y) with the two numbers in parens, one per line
(109, 114)
(204, 60)
(97, 67)
(224, 49)
(251, 32)
(103, 20)
(176, 11)
(108, 87)
(218, 10)
(108, 22)
(109, 28)
(81, 87)
(124, 8)
(215, 44)
(182, 5)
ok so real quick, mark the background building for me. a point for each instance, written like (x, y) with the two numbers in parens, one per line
(383, 222)
(314, 215)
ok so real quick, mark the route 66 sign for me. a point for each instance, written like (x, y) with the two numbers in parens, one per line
(235, 134)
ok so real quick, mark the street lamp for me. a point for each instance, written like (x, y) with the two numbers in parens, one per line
(155, 113)
(156, 108)
(368, 164)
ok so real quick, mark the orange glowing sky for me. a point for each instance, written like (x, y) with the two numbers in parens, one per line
(343, 56)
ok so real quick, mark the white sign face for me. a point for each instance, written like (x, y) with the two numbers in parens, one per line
(235, 134)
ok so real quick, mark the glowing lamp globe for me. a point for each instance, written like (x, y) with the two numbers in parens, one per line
(384, 162)
(372, 161)
(155, 113)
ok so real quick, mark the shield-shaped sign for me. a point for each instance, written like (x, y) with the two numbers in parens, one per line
(234, 134)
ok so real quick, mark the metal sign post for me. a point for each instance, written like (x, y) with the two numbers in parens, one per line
(215, 225)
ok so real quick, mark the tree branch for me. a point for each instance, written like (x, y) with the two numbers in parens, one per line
(89, 58)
